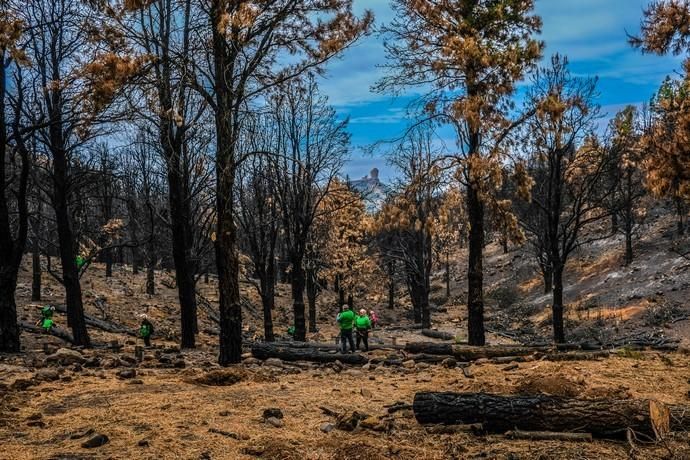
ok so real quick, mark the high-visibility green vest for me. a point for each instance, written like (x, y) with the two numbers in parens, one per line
(144, 330)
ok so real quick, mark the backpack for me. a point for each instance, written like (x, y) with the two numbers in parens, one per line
(144, 330)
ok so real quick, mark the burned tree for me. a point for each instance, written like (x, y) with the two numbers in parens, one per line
(568, 169)
(312, 146)
(259, 214)
(247, 41)
(626, 175)
(411, 216)
(467, 57)
(15, 165)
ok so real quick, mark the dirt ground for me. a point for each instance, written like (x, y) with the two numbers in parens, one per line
(175, 414)
(169, 411)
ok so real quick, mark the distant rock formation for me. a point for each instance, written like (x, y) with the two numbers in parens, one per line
(372, 189)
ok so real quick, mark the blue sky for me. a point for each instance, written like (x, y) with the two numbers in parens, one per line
(592, 33)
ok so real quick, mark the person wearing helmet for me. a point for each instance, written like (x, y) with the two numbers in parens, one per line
(363, 324)
(146, 329)
(346, 319)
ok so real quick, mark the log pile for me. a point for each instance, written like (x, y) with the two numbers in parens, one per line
(603, 418)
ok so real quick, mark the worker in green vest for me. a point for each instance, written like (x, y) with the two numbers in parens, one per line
(362, 325)
(46, 320)
(80, 261)
(346, 320)
(146, 330)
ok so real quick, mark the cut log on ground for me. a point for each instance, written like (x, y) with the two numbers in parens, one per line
(602, 418)
(548, 436)
(438, 334)
(55, 331)
(471, 353)
(270, 350)
(326, 346)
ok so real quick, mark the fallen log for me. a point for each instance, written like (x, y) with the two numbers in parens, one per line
(101, 324)
(471, 353)
(270, 350)
(55, 331)
(331, 346)
(498, 414)
(438, 334)
(548, 436)
(429, 348)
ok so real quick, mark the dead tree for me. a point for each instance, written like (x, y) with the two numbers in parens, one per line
(312, 145)
(246, 64)
(568, 190)
(55, 40)
(14, 181)
(259, 218)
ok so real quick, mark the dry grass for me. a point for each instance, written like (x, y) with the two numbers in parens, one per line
(174, 413)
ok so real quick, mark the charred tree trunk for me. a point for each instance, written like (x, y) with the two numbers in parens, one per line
(547, 275)
(391, 284)
(70, 272)
(447, 276)
(629, 216)
(341, 296)
(602, 418)
(36, 253)
(680, 210)
(227, 260)
(151, 251)
(298, 284)
(184, 270)
(628, 244)
(134, 235)
(108, 259)
(35, 272)
(228, 276)
(312, 292)
(475, 273)
(268, 302)
(9, 329)
(557, 306)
